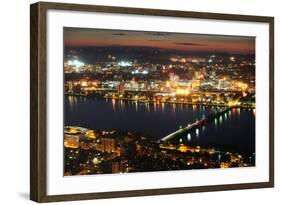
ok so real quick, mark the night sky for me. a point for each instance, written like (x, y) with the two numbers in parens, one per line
(172, 41)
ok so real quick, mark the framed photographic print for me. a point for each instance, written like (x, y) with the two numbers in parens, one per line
(134, 102)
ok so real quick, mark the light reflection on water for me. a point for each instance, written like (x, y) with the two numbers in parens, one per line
(225, 116)
(136, 106)
(163, 107)
(218, 121)
(160, 107)
(188, 137)
(122, 105)
(72, 102)
(161, 119)
(113, 104)
(153, 106)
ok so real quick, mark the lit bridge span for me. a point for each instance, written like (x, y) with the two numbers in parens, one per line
(197, 124)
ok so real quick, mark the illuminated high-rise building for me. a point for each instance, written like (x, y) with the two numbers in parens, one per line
(174, 78)
(121, 88)
(72, 136)
(71, 141)
(108, 144)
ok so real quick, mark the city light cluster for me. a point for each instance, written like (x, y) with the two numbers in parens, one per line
(224, 83)
(75, 63)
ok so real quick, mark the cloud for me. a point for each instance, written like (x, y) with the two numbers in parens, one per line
(71, 29)
(119, 34)
(160, 34)
(188, 44)
(156, 40)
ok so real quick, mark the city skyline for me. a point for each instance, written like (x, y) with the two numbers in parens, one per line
(146, 101)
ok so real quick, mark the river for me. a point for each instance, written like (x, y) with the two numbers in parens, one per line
(234, 131)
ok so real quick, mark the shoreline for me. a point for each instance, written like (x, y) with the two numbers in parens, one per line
(159, 101)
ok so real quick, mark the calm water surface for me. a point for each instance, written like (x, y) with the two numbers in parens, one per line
(233, 131)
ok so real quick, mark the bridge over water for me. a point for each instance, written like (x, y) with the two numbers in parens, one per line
(197, 124)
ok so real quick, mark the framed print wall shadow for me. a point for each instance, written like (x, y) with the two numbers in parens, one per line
(135, 102)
